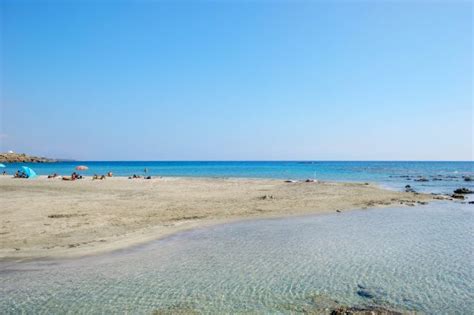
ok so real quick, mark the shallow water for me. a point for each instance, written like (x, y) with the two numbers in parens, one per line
(418, 258)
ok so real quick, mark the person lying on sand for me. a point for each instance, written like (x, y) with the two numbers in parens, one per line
(98, 177)
(134, 176)
(53, 176)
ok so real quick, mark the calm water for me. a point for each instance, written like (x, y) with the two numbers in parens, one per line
(418, 259)
(442, 176)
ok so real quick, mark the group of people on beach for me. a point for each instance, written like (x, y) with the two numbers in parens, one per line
(75, 176)
(19, 174)
(134, 176)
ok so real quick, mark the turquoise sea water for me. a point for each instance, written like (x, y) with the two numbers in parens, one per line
(442, 176)
(411, 259)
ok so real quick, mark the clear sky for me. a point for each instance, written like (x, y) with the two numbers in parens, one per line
(237, 80)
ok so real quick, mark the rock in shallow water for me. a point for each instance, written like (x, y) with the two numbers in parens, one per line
(368, 310)
(463, 190)
(422, 180)
(365, 294)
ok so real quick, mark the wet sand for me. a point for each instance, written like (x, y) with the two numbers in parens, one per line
(52, 218)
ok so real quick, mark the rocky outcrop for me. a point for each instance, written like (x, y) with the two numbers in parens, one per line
(23, 158)
(463, 191)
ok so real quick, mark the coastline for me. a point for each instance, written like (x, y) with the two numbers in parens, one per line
(50, 218)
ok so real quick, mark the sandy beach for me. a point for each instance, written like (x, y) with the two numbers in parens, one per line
(54, 218)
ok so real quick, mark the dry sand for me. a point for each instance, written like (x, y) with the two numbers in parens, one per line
(55, 218)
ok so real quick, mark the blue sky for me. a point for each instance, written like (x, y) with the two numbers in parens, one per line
(237, 80)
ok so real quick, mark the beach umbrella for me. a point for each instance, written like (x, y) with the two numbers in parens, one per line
(2, 165)
(81, 168)
(29, 172)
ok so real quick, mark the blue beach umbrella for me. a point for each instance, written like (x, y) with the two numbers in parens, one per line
(29, 172)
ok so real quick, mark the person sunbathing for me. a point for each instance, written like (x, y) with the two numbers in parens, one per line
(53, 176)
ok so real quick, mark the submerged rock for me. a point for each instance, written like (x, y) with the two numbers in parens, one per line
(422, 180)
(363, 310)
(365, 294)
(458, 196)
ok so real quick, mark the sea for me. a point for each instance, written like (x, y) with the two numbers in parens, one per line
(416, 260)
(435, 177)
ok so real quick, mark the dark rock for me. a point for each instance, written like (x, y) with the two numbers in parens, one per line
(422, 180)
(365, 294)
(463, 191)
(409, 189)
(457, 196)
(362, 310)
(468, 179)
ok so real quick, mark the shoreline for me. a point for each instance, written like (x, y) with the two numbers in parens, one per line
(53, 219)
